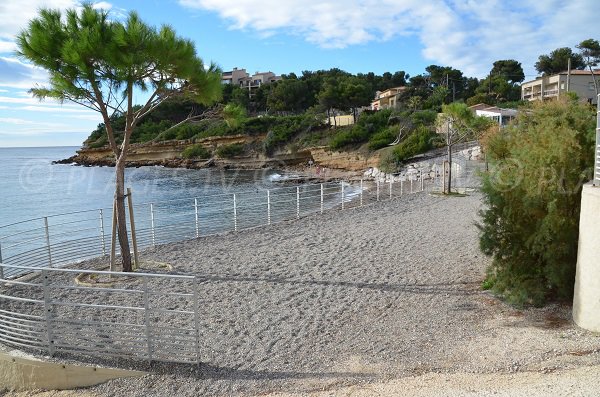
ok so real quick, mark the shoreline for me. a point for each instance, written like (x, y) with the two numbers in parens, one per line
(351, 298)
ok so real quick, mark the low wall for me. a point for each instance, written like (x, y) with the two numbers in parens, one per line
(586, 301)
(17, 374)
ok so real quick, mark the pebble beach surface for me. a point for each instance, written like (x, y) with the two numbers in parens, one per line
(347, 300)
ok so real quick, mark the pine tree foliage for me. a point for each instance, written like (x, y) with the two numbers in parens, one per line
(532, 196)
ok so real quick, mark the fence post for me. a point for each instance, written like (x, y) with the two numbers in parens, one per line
(343, 198)
(361, 192)
(1, 267)
(48, 311)
(297, 202)
(113, 245)
(197, 319)
(596, 181)
(152, 224)
(401, 186)
(132, 224)
(102, 238)
(234, 213)
(197, 215)
(422, 183)
(268, 207)
(47, 231)
(147, 322)
(377, 189)
(411, 184)
(321, 198)
(391, 182)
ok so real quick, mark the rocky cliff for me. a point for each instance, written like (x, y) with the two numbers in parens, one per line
(169, 154)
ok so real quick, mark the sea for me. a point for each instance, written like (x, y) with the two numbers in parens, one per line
(53, 214)
(31, 186)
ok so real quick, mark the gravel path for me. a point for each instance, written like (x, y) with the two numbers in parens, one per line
(354, 298)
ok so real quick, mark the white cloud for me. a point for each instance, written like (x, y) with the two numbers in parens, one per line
(12, 120)
(104, 5)
(466, 34)
(56, 109)
(15, 15)
(16, 74)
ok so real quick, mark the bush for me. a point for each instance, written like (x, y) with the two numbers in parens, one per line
(230, 151)
(196, 151)
(383, 138)
(283, 129)
(532, 195)
(419, 141)
(424, 118)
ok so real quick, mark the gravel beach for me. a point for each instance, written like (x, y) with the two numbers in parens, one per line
(348, 300)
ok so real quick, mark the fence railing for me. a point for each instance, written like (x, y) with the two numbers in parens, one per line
(130, 316)
(63, 239)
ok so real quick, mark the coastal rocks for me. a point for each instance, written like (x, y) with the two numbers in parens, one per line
(351, 161)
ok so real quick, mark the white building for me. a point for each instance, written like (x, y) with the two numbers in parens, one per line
(500, 115)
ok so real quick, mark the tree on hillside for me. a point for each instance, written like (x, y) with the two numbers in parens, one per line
(289, 94)
(590, 51)
(502, 84)
(458, 123)
(558, 61)
(330, 98)
(509, 69)
(99, 63)
(354, 93)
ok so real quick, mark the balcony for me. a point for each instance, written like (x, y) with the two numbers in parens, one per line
(550, 93)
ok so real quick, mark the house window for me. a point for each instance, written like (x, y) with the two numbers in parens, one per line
(591, 86)
(562, 85)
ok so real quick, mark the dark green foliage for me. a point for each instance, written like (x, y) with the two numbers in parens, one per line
(283, 129)
(258, 125)
(558, 60)
(424, 118)
(419, 141)
(368, 124)
(230, 151)
(196, 151)
(383, 138)
(532, 195)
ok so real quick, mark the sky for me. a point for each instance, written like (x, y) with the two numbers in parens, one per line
(286, 36)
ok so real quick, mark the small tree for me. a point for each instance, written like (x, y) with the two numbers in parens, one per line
(533, 196)
(99, 63)
(458, 123)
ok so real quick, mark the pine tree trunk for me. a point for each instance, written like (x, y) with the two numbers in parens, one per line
(121, 217)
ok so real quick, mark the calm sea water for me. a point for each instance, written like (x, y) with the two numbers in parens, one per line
(31, 186)
(53, 214)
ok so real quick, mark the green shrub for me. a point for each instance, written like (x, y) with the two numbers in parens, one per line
(196, 151)
(419, 141)
(257, 125)
(229, 151)
(352, 136)
(424, 118)
(532, 196)
(383, 138)
(284, 129)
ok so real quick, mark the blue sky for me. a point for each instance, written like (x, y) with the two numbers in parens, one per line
(293, 35)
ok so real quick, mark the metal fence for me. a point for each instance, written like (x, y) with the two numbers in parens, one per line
(131, 316)
(128, 317)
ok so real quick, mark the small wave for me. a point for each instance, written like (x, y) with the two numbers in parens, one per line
(279, 177)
